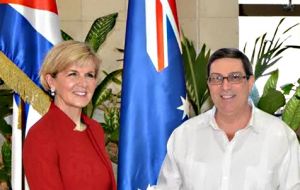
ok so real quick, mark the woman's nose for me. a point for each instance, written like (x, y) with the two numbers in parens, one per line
(82, 81)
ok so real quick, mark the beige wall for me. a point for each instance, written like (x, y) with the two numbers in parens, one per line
(77, 16)
(214, 22)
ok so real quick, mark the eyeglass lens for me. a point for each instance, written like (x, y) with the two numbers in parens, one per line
(234, 77)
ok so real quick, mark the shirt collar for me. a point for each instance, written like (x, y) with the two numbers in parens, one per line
(250, 124)
(67, 120)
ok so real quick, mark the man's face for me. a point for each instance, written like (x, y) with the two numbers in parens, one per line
(230, 97)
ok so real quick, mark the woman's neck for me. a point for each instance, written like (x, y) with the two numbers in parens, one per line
(74, 113)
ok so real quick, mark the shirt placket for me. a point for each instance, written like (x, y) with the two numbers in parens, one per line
(227, 165)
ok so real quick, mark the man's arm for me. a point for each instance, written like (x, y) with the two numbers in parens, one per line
(289, 172)
(169, 177)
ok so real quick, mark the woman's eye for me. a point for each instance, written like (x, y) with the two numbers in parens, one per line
(91, 75)
(72, 74)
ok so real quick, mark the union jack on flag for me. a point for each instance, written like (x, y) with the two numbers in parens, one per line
(153, 91)
(157, 13)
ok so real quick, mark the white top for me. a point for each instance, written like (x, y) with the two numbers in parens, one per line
(263, 156)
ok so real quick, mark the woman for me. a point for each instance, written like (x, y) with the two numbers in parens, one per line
(65, 149)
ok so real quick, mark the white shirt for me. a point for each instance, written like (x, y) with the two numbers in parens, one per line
(263, 156)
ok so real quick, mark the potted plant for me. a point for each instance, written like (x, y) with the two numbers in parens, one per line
(265, 54)
(195, 76)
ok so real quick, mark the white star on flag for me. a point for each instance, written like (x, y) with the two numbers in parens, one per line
(185, 106)
(149, 187)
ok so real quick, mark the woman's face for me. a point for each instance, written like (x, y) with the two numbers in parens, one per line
(74, 86)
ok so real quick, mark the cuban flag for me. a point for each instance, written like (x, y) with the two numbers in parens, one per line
(154, 99)
(28, 30)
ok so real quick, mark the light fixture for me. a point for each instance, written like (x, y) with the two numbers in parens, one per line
(289, 7)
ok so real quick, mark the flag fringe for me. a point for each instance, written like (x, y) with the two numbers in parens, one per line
(20, 118)
(17, 80)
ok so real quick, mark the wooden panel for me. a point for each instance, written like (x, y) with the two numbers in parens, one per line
(268, 10)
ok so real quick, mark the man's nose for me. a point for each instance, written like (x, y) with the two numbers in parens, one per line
(226, 84)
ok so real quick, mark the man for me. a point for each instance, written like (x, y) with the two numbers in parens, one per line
(233, 146)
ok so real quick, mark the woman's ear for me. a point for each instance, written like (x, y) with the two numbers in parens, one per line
(50, 81)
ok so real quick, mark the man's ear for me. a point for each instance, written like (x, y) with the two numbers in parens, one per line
(251, 82)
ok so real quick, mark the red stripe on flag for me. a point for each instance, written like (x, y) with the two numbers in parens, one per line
(160, 35)
(172, 4)
(49, 5)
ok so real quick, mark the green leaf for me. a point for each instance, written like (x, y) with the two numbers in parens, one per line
(6, 99)
(103, 86)
(114, 79)
(253, 51)
(189, 55)
(65, 36)
(290, 28)
(3, 175)
(120, 50)
(99, 30)
(112, 123)
(195, 74)
(272, 101)
(271, 82)
(5, 129)
(287, 88)
(297, 93)
(89, 109)
(291, 113)
(266, 52)
(114, 136)
(103, 96)
(293, 46)
(6, 156)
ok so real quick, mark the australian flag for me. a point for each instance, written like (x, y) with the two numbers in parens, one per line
(153, 92)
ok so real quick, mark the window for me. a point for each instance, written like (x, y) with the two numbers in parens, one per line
(252, 26)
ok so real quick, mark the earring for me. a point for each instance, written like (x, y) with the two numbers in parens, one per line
(52, 92)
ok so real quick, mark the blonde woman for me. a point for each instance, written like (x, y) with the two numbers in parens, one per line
(65, 149)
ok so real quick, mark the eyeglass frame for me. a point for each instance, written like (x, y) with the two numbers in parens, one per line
(230, 80)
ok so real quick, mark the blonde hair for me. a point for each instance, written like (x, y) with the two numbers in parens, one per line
(64, 55)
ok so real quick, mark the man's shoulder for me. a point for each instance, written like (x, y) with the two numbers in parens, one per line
(189, 134)
(271, 124)
(198, 122)
(262, 117)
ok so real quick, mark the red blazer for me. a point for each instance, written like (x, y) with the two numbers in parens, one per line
(56, 157)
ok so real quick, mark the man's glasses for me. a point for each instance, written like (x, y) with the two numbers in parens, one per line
(232, 78)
